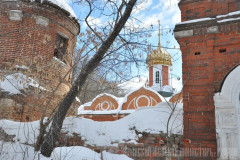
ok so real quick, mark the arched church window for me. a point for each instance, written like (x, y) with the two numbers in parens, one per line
(157, 77)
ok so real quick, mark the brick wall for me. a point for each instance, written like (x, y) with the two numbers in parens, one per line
(103, 117)
(210, 50)
(141, 98)
(30, 106)
(150, 76)
(165, 78)
(148, 147)
(195, 9)
(104, 102)
(106, 107)
(28, 32)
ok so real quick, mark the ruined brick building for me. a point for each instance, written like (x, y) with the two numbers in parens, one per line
(37, 42)
(209, 37)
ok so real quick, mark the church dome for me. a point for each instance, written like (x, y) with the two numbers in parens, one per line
(159, 56)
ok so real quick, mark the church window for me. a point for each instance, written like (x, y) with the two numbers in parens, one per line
(157, 77)
(60, 47)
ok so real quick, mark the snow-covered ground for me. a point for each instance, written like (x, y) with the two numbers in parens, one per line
(17, 151)
(145, 119)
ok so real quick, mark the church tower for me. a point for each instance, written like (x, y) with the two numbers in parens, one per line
(159, 63)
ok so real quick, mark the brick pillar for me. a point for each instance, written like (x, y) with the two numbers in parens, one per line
(165, 78)
(150, 76)
(209, 51)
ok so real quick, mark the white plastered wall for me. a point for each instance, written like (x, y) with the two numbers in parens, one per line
(227, 115)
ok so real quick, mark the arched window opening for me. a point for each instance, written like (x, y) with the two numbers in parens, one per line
(60, 47)
(157, 77)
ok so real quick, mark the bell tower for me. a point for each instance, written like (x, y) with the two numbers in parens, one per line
(159, 63)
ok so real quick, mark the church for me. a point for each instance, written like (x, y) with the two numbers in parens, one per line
(107, 107)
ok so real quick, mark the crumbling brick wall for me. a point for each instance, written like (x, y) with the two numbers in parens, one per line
(29, 34)
(148, 147)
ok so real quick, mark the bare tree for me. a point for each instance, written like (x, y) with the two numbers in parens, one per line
(122, 14)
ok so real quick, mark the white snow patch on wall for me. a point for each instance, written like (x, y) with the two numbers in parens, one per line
(229, 14)
(16, 82)
(195, 20)
(229, 19)
(219, 16)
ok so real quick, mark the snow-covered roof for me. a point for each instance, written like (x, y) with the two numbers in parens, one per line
(64, 5)
(133, 84)
(60, 3)
(119, 100)
(147, 88)
(81, 107)
(219, 18)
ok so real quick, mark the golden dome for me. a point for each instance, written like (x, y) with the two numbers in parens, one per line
(159, 56)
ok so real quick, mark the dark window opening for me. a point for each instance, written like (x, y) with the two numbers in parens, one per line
(157, 77)
(222, 50)
(60, 47)
(197, 53)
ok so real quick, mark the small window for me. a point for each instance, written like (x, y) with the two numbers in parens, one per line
(60, 47)
(157, 77)
(197, 53)
(222, 50)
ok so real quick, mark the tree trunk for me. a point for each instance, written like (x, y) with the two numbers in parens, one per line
(52, 136)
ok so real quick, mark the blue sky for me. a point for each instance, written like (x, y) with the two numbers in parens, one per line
(150, 11)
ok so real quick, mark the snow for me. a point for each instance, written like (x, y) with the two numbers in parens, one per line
(82, 153)
(230, 19)
(147, 88)
(145, 119)
(120, 101)
(133, 84)
(77, 99)
(229, 14)
(167, 88)
(62, 4)
(22, 67)
(217, 17)
(16, 151)
(61, 62)
(82, 111)
(195, 20)
(81, 108)
(16, 82)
